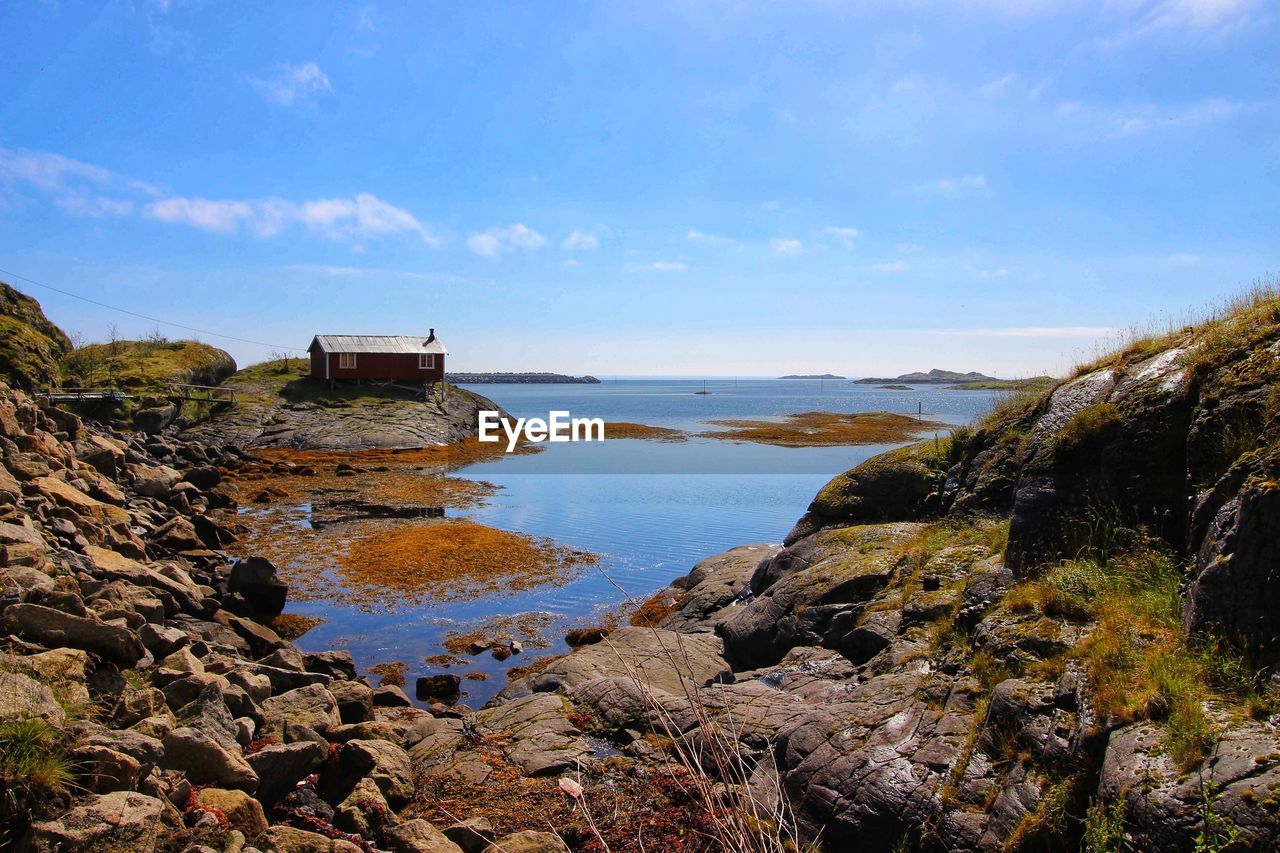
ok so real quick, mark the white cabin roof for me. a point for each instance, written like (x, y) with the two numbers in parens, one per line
(407, 344)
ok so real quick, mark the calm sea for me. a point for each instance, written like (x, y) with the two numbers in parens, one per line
(650, 509)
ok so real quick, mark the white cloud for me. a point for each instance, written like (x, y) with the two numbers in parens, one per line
(84, 189)
(999, 272)
(785, 246)
(1209, 111)
(967, 186)
(908, 248)
(289, 83)
(769, 205)
(1206, 17)
(996, 88)
(890, 267)
(95, 206)
(571, 263)
(205, 214)
(496, 241)
(332, 271)
(362, 217)
(695, 236)
(843, 235)
(79, 188)
(581, 241)
(659, 266)
(365, 22)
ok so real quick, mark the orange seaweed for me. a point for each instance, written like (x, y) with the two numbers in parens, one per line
(623, 429)
(456, 559)
(825, 429)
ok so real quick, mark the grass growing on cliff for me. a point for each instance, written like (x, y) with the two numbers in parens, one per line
(1140, 663)
(33, 767)
(150, 363)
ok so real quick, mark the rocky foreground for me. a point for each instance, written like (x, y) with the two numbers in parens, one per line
(146, 703)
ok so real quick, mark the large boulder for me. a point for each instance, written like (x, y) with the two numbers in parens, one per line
(893, 486)
(1165, 808)
(312, 706)
(381, 761)
(205, 762)
(281, 766)
(255, 579)
(417, 836)
(50, 627)
(122, 820)
(713, 585)
(24, 698)
(241, 811)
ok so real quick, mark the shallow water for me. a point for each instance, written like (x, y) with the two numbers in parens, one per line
(650, 509)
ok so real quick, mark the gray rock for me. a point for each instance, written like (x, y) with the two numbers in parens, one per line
(386, 764)
(543, 741)
(528, 841)
(122, 820)
(714, 584)
(312, 706)
(281, 766)
(24, 698)
(50, 627)
(417, 836)
(355, 700)
(205, 762)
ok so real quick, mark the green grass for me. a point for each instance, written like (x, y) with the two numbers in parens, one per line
(1088, 430)
(146, 364)
(28, 359)
(1104, 828)
(1140, 664)
(34, 767)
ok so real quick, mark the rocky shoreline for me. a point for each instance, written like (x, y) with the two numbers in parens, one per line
(148, 658)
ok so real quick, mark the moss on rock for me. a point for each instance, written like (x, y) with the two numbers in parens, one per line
(30, 346)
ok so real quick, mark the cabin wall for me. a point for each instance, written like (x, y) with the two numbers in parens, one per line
(401, 367)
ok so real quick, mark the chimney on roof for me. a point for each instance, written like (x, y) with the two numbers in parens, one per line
(431, 337)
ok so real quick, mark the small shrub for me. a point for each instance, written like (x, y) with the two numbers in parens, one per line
(1218, 832)
(1104, 828)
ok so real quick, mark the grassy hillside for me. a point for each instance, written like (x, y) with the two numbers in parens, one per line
(31, 347)
(146, 364)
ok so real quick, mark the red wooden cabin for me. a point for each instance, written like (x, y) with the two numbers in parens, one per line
(403, 358)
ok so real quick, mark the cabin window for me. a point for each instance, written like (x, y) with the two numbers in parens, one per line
(426, 361)
(346, 361)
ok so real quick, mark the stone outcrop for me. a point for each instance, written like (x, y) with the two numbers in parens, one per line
(292, 410)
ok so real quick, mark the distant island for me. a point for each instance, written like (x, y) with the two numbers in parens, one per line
(811, 376)
(972, 381)
(519, 379)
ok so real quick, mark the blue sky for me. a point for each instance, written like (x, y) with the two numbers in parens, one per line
(646, 188)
